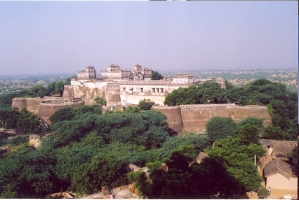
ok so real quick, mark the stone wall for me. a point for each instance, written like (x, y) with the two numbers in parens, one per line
(44, 107)
(31, 104)
(195, 117)
(48, 108)
(173, 115)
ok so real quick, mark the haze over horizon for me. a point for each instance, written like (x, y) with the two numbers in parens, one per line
(64, 37)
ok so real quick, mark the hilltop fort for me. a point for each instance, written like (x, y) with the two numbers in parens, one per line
(122, 88)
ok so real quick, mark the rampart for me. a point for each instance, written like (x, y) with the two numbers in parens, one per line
(31, 104)
(195, 117)
(48, 107)
(44, 107)
(173, 115)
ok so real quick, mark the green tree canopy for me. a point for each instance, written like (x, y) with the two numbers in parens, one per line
(156, 75)
(206, 93)
(38, 91)
(9, 118)
(274, 133)
(220, 127)
(132, 109)
(248, 134)
(28, 122)
(146, 104)
(63, 114)
(238, 159)
(101, 101)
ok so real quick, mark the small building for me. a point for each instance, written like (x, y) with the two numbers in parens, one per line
(114, 72)
(141, 73)
(279, 175)
(182, 79)
(87, 74)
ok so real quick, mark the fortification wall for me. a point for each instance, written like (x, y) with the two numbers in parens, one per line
(195, 117)
(48, 107)
(173, 115)
(241, 112)
(31, 104)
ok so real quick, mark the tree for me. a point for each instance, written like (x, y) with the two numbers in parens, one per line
(9, 118)
(103, 170)
(101, 101)
(156, 75)
(63, 114)
(211, 93)
(238, 159)
(248, 134)
(253, 121)
(263, 193)
(206, 93)
(211, 177)
(220, 127)
(228, 85)
(28, 122)
(145, 104)
(96, 109)
(132, 109)
(199, 142)
(274, 133)
(38, 91)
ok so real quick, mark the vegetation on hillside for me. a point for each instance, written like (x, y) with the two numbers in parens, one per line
(89, 149)
(206, 93)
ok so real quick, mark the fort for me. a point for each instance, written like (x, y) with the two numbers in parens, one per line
(121, 88)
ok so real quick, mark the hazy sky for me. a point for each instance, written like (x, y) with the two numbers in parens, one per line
(64, 37)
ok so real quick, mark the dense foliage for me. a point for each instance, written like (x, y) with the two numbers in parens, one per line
(208, 92)
(100, 101)
(182, 180)
(146, 104)
(238, 159)
(282, 105)
(220, 127)
(27, 121)
(156, 75)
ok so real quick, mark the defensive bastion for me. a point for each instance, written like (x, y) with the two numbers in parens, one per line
(45, 107)
(193, 118)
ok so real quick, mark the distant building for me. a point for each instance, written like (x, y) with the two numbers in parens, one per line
(183, 79)
(87, 74)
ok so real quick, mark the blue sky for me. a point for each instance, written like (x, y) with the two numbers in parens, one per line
(64, 37)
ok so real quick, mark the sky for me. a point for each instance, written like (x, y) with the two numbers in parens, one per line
(64, 37)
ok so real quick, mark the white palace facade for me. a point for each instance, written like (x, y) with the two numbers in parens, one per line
(133, 86)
